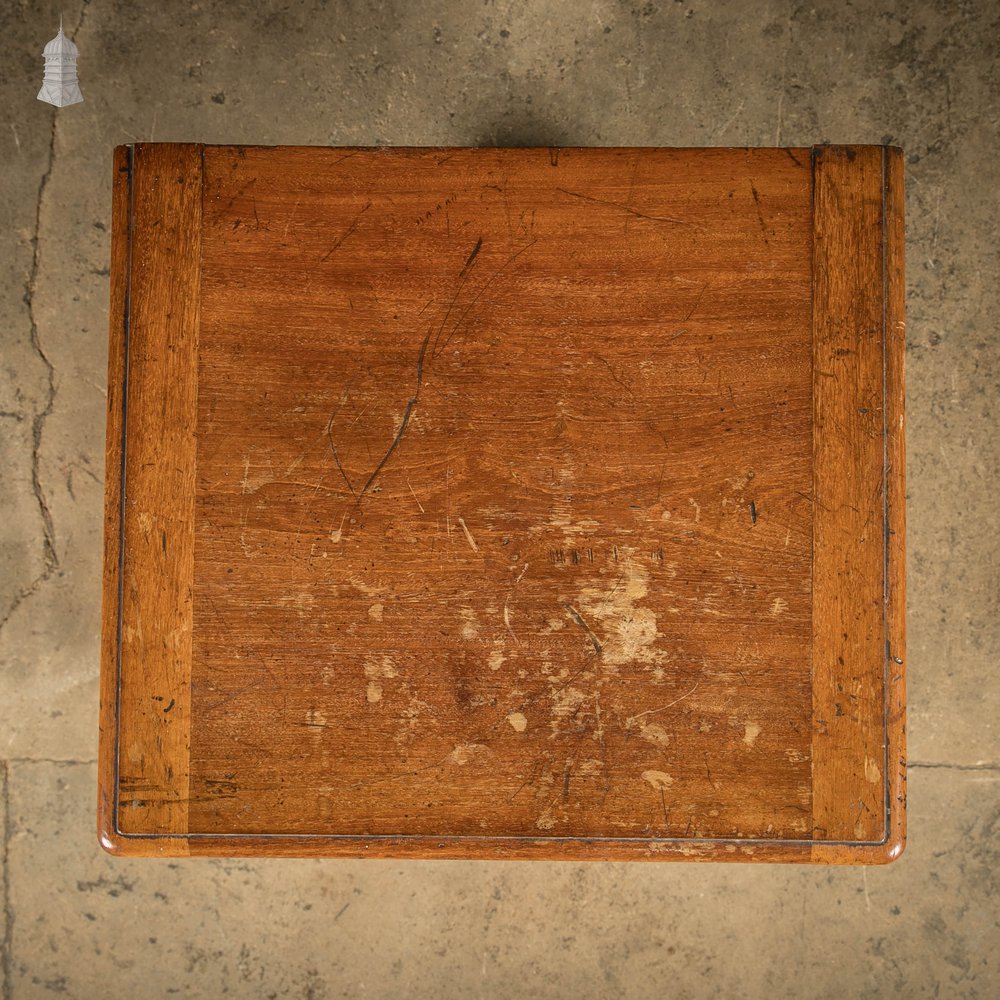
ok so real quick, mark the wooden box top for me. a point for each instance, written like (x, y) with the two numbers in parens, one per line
(505, 503)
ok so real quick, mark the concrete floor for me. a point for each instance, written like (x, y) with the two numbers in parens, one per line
(925, 75)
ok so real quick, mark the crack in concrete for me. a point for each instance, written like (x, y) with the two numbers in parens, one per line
(50, 555)
(51, 558)
(68, 761)
(928, 765)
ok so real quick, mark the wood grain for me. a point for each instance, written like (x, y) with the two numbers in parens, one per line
(856, 250)
(502, 471)
(157, 519)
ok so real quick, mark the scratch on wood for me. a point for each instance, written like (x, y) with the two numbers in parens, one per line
(506, 604)
(578, 618)
(462, 276)
(599, 732)
(403, 424)
(691, 311)
(472, 256)
(760, 215)
(335, 453)
(468, 535)
(346, 233)
(506, 620)
(624, 207)
(475, 298)
(655, 711)
(414, 495)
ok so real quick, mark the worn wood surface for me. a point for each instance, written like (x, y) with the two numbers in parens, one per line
(162, 220)
(505, 504)
(849, 540)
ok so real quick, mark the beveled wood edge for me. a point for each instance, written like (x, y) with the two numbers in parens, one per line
(848, 495)
(130, 162)
(569, 849)
(121, 195)
(890, 672)
(496, 848)
(895, 397)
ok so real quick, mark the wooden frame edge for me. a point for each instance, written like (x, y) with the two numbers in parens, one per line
(895, 526)
(178, 845)
(111, 575)
(156, 240)
(858, 290)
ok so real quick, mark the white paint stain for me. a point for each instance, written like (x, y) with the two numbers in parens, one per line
(545, 821)
(255, 475)
(660, 780)
(750, 733)
(470, 624)
(506, 620)
(626, 630)
(653, 733)
(366, 588)
(464, 752)
(872, 772)
(409, 719)
(302, 602)
(338, 533)
(496, 659)
(517, 721)
(565, 703)
(378, 669)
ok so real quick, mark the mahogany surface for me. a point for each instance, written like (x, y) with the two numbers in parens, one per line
(505, 503)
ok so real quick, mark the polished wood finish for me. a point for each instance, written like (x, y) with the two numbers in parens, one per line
(505, 503)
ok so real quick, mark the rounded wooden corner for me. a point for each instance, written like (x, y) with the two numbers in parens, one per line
(883, 853)
(125, 845)
(111, 841)
(892, 849)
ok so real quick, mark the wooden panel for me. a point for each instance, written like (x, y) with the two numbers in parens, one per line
(475, 541)
(848, 496)
(158, 517)
(496, 475)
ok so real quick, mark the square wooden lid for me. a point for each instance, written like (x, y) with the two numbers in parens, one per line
(505, 503)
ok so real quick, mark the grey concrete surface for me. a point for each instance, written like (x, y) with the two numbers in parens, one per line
(925, 75)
